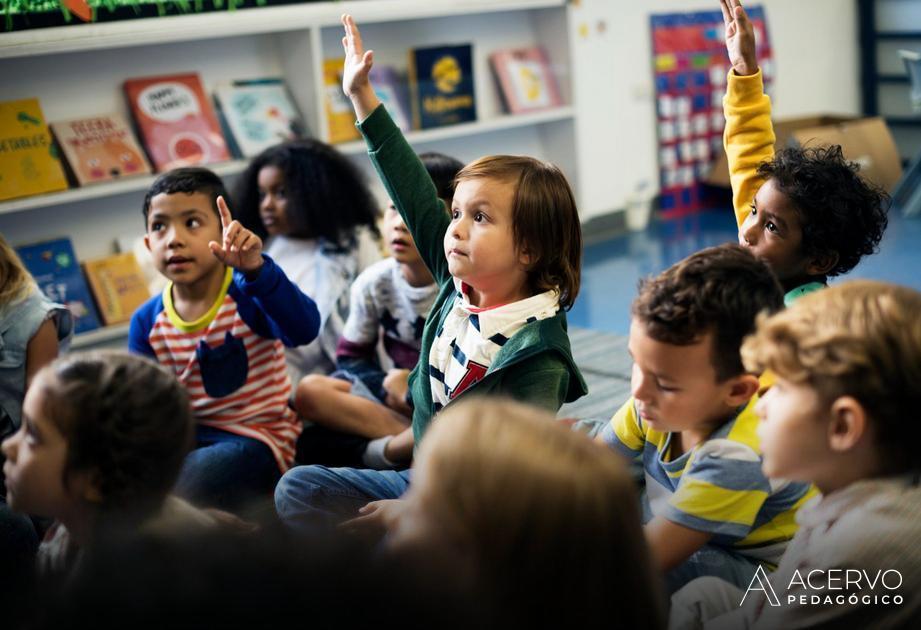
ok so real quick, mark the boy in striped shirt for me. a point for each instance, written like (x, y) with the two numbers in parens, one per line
(221, 324)
(709, 508)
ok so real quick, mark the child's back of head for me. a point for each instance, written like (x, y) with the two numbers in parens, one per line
(320, 192)
(14, 278)
(719, 290)
(860, 339)
(545, 220)
(546, 523)
(443, 170)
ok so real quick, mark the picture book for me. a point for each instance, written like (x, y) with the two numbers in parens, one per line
(100, 148)
(390, 86)
(340, 117)
(441, 82)
(526, 80)
(57, 273)
(119, 286)
(176, 121)
(257, 114)
(29, 162)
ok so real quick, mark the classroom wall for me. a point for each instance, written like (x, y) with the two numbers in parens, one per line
(817, 61)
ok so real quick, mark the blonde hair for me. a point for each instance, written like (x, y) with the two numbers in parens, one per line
(550, 519)
(545, 221)
(15, 280)
(861, 339)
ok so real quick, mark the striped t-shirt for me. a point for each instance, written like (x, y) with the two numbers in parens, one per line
(232, 359)
(716, 487)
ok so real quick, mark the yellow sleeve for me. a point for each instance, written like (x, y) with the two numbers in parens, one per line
(625, 432)
(748, 137)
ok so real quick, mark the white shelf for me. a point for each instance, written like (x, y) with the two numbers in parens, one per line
(100, 335)
(500, 123)
(162, 30)
(100, 191)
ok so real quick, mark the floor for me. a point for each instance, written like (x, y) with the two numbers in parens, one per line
(612, 267)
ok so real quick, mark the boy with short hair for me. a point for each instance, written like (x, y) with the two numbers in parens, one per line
(805, 211)
(842, 415)
(709, 508)
(221, 324)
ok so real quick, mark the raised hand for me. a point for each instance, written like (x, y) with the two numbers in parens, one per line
(740, 38)
(358, 62)
(241, 249)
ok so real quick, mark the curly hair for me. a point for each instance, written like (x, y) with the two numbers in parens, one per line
(840, 212)
(545, 221)
(126, 420)
(327, 194)
(862, 339)
(720, 290)
(188, 180)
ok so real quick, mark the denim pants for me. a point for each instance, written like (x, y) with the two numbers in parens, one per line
(713, 561)
(226, 470)
(311, 497)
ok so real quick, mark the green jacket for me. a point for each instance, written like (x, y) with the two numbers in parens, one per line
(536, 364)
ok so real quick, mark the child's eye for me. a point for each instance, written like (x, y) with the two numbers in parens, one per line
(193, 223)
(455, 214)
(666, 388)
(771, 227)
(479, 217)
(280, 193)
(156, 226)
(754, 209)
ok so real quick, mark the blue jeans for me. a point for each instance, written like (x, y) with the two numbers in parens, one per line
(226, 470)
(309, 497)
(713, 561)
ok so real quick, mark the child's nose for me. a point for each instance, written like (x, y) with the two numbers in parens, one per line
(8, 447)
(750, 232)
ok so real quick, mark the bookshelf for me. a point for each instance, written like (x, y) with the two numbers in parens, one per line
(290, 41)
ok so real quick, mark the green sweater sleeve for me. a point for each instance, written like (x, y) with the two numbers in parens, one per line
(410, 188)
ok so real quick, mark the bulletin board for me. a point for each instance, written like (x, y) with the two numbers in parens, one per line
(690, 66)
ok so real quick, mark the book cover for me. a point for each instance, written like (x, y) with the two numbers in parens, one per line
(441, 81)
(57, 273)
(119, 286)
(258, 113)
(340, 117)
(391, 87)
(176, 121)
(29, 161)
(526, 80)
(100, 148)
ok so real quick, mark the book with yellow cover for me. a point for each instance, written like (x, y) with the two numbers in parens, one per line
(340, 116)
(29, 161)
(118, 285)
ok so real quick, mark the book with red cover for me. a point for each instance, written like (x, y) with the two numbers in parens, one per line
(100, 148)
(176, 121)
(525, 79)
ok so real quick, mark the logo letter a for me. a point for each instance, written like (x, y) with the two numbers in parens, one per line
(764, 585)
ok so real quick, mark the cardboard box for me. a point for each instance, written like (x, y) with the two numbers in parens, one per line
(866, 141)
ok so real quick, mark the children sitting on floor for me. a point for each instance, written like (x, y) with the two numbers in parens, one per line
(842, 415)
(806, 212)
(507, 261)
(708, 507)
(220, 325)
(390, 300)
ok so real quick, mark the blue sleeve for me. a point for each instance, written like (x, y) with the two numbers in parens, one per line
(274, 307)
(141, 324)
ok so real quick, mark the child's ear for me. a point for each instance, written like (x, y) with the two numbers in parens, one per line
(741, 389)
(525, 259)
(848, 425)
(822, 263)
(84, 484)
(147, 242)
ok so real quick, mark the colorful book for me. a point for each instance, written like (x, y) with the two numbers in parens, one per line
(391, 87)
(340, 117)
(29, 161)
(176, 121)
(119, 286)
(526, 80)
(57, 273)
(258, 113)
(441, 82)
(100, 148)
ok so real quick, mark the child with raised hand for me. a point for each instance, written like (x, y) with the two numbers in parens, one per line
(102, 440)
(710, 510)
(313, 207)
(842, 415)
(507, 259)
(805, 211)
(390, 300)
(541, 525)
(221, 325)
